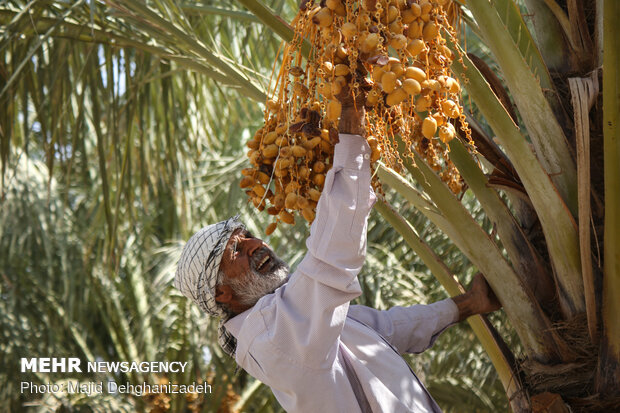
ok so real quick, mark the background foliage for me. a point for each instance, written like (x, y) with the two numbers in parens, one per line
(122, 132)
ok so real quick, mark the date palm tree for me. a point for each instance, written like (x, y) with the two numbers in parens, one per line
(115, 99)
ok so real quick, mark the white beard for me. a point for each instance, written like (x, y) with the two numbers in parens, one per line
(251, 288)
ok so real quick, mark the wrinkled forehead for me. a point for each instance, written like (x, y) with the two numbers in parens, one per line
(232, 228)
(233, 235)
(226, 232)
(228, 246)
(237, 231)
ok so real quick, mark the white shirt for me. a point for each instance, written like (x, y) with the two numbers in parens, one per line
(293, 340)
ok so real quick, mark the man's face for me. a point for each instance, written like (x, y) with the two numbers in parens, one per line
(251, 268)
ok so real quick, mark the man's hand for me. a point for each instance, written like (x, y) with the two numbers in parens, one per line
(480, 299)
(352, 120)
(353, 102)
(355, 97)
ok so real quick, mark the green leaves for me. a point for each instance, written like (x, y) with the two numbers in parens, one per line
(556, 219)
(454, 220)
(543, 128)
(118, 143)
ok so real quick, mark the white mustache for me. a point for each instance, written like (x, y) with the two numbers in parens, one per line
(253, 286)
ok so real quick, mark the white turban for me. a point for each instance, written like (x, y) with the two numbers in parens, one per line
(198, 269)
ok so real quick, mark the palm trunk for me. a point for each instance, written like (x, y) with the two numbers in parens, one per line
(609, 360)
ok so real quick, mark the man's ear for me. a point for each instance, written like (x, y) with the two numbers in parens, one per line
(223, 293)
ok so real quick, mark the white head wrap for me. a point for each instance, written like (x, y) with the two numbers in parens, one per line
(198, 269)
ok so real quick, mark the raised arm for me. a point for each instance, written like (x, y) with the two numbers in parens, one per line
(307, 315)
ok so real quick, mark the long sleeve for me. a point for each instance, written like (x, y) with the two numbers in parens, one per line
(409, 329)
(306, 316)
(338, 234)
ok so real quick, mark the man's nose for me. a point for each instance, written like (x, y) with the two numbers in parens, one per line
(254, 244)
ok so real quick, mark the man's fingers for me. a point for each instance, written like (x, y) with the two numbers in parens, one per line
(481, 285)
(355, 96)
(477, 283)
(348, 99)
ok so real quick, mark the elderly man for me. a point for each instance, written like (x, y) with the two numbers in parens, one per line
(298, 334)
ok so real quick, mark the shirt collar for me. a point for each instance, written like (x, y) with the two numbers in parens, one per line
(234, 324)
